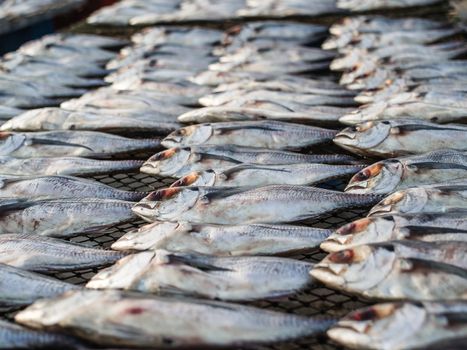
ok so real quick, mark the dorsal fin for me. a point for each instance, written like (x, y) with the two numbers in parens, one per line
(435, 266)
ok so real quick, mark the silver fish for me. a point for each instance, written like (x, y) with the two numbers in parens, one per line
(177, 162)
(261, 175)
(13, 336)
(66, 143)
(449, 226)
(59, 186)
(392, 138)
(225, 278)
(148, 321)
(65, 166)
(20, 287)
(265, 134)
(318, 114)
(395, 174)
(429, 199)
(222, 240)
(45, 119)
(234, 205)
(45, 254)
(398, 270)
(408, 325)
(62, 217)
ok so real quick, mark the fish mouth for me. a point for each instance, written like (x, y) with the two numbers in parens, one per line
(144, 211)
(382, 210)
(331, 245)
(323, 272)
(358, 187)
(169, 142)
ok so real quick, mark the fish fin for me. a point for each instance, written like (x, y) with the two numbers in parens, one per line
(430, 265)
(227, 129)
(218, 157)
(39, 141)
(223, 193)
(422, 126)
(231, 171)
(451, 187)
(15, 204)
(201, 262)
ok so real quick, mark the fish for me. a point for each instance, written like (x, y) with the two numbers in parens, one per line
(222, 240)
(52, 118)
(396, 174)
(262, 175)
(177, 162)
(46, 255)
(318, 114)
(20, 287)
(263, 134)
(427, 199)
(398, 270)
(65, 166)
(246, 205)
(117, 318)
(70, 143)
(403, 325)
(14, 336)
(65, 217)
(393, 138)
(224, 278)
(448, 226)
(59, 186)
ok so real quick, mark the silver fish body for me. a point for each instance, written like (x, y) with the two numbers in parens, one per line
(62, 217)
(113, 318)
(65, 166)
(235, 205)
(429, 199)
(264, 134)
(398, 270)
(392, 138)
(20, 287)
(13, 336)
(45, 254)
(225, 278)
(318, 114)
(449, 226)
(407, 325)
(177, 162)
(59, 186)
(386, 176)
(70, 143)
(262, 175)
(222, 240)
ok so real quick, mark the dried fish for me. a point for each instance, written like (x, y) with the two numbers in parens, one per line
(398, 270)
(392, 138)
(408, 325)
(177, 162)
(261, 175)
(114, 318)
(46, 254)
(449, 226)
(222, 240)
(234, 205)
(265, 134)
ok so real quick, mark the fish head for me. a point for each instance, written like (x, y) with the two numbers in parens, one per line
(166, 204)
(354, 269)
(349, 60)
(383, 325)
(362, 231)
(364, 113)
(189, 135)
(381, 178)
(10, 142)
(375, 80)
(168, 162)
(406, 201)
(363, 136)
(196, 178)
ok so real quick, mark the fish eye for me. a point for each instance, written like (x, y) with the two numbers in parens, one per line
(353, 128)
(385, 122)
(180, 132)
(363, 175)
(342, 257)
